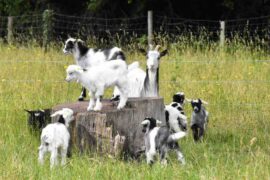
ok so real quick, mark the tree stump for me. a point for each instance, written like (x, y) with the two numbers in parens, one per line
(111, 130)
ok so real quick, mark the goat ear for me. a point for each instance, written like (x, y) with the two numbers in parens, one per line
(56, 113)
(28, 111)
(143, 51)
(163, 53)
(158, 121)
(204, 102)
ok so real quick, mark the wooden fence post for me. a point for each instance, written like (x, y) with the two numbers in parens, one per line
(222, 33)
(47, 28)
(150, 27)
(10, 29)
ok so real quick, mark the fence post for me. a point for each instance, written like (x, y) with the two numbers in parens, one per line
(47, 27)
(222, 33)
(10, 29)
(150, 27)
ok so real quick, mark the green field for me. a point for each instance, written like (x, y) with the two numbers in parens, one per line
(235, 81)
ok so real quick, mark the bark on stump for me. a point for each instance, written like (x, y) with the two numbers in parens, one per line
(112, 130)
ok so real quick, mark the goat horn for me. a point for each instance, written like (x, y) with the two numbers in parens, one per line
(188, 100)
(157, 47)
(151, 47)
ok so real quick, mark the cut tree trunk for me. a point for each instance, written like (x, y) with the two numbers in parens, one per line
(110, 130)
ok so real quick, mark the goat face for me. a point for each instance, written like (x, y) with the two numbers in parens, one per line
(179, 97)
(149, 123)
(69, 46)
(72, 72)
(196, 105)
(153, 57)
(38, 119)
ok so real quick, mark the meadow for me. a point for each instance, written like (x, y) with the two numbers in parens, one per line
(234, 80)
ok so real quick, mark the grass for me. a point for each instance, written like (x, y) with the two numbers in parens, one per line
(235, 81)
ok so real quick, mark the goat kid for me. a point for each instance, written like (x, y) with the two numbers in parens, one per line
(99, 77)
(175, 117)
(56, 136)
(159, 139)
(87, 57)
(199, 119)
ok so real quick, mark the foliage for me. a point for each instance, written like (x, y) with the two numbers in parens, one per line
(207, 9)
(14, 7)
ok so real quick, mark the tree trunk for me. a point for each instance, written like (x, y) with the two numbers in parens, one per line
(111, 130)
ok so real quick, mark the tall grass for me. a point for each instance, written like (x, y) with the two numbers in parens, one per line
(234, 80)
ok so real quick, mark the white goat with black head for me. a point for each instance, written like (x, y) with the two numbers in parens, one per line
(141, 83)
(55, 136)
(87, 57)
(199, 119)
(99, 77)
(159, 139)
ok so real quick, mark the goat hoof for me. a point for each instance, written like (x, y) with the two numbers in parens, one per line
(80, 99)
(90, 109)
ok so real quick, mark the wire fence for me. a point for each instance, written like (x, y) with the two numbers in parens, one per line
(123, 30)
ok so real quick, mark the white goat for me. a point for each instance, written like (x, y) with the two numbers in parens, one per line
(99, 77)
(56, 136)
(160, 139)
(144, 84)
(86, 57)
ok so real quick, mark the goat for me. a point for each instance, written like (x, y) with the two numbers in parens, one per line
(159, 138)
(199, 119)
(175, 117)
(87, 57)
(56, 136)
(145, 84)
(99, 77)
(38, 119)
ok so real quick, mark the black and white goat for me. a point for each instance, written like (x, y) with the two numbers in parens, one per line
(159, 139)
(141, 83)
(199, 119)
(55, 136)
(87, 57)
(38, 119)
(99, 77)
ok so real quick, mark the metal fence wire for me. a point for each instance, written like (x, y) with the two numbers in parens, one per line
(124, 29)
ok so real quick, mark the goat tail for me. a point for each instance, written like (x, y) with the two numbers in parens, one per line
(176, 136)
(133, 65)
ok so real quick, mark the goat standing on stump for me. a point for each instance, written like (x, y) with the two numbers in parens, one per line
(199, 119)
(144, 84)
(56, 136)
(159, 139)
(99, 77)
(87, 57)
